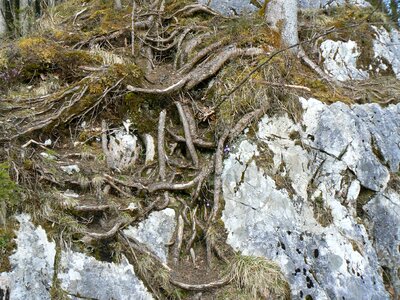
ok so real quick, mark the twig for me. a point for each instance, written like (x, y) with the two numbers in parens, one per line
(299, 87)
(201, 287)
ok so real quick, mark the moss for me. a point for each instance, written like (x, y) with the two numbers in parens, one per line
(142, 111)
(7, 245)
(8, 193)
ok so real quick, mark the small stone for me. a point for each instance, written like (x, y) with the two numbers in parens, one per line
(70, 169)
(155, 232)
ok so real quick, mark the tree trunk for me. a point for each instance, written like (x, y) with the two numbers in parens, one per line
(118, 4)
(3, 24)
(24, 16)
(282, 15)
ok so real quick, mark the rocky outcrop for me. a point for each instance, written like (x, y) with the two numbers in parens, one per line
(328, 3)
(387, 49)
(32, 263)
(80, 276)
(298, 194)
(341, 59)
(234, 7)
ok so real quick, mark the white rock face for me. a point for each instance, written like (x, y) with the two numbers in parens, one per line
(32, 264)
(340, 60)
(308, 220)
(155, 232)
(384, 213)
(328, 3)
(85, 276)
(232, 7)
(387, 47)
(33, 271)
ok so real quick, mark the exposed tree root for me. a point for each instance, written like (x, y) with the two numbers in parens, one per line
(187, 181)
(201, 72)
(201, 287)
(178, 240)
(188, 135)
(197, 142)
(107, 235)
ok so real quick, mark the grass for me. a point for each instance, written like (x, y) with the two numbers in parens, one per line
(258, 278)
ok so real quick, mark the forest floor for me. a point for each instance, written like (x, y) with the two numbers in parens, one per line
(189, 81)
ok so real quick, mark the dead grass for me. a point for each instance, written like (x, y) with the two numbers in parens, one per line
(258, 278)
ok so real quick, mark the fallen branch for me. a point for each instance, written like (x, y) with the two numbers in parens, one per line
(304, 57)
(90, 208)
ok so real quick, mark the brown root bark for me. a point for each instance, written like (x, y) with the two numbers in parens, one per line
(188, 135)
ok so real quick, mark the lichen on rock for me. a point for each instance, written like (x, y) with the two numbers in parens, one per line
(334, 157)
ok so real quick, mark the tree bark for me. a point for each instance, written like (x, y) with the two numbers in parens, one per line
(3, 24)
(118, 4)
(282, 15)
(24, 16)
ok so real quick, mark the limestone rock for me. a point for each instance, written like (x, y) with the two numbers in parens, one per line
(292, 195)
(327, 3)
(85, 276)
(233, 7)
(33, 271)
(155, 232)
(32, 263)
(340, 60)
(122, 149)
(384, 213)
(387, 47)
(230, 7)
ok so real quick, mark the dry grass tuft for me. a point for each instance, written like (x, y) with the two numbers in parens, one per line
(258, 277)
